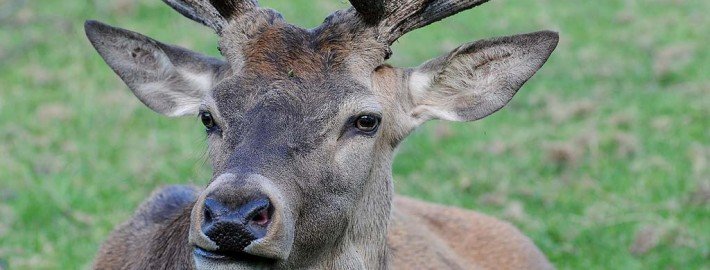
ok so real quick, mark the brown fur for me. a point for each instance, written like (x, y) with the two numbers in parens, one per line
(150, 240)
(421, 236)
(430, 236)
(284, 106)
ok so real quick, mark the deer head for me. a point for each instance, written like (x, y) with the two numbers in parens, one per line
(302, 123)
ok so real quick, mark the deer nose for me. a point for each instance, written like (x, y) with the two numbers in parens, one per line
(233, 227)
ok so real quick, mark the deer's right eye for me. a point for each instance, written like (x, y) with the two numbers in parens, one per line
(207, 120)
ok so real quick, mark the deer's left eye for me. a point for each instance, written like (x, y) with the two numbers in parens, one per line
(367, 123)
(207, 120)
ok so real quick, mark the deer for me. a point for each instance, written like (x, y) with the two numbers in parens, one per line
(302, 127)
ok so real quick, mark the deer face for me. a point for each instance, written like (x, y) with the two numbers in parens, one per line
(302, 124)
(297, 135)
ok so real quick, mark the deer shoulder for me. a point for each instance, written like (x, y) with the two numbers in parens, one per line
(430, 236)
(155, 237)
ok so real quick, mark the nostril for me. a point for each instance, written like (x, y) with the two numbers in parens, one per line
(262, 218)
(213, 211)
(257, 212)
(207, 215)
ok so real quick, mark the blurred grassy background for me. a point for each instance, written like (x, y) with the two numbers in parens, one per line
(603, 158)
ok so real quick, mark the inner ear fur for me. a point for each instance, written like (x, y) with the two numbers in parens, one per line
(478, 78)
(168, 79)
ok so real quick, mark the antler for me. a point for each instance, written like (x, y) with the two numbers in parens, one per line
(395, 18)
(212, 13)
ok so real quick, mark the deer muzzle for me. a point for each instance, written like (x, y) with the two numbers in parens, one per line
(240, 221)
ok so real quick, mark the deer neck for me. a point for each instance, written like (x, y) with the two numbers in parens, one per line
(366, 237)
(364, 243)
(368, 231)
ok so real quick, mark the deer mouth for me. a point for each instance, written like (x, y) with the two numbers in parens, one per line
(231, 257)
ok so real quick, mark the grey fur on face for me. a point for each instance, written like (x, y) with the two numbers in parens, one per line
(283, 107)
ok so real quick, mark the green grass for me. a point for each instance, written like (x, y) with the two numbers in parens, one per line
(603, 158)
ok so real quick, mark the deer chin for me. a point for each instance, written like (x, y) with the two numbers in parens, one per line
(273, 247)
(205, 260)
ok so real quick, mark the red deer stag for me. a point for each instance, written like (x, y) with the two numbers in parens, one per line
(302, 125)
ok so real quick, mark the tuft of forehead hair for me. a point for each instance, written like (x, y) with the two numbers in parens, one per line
(226, 8)
(240, 94)
(271, 48)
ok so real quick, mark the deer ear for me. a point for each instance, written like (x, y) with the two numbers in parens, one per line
(168, 79)
(479, 78)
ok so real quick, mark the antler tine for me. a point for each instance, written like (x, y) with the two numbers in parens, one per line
(396, 18)
(371, 10)
(233, 8)
(212, 13)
